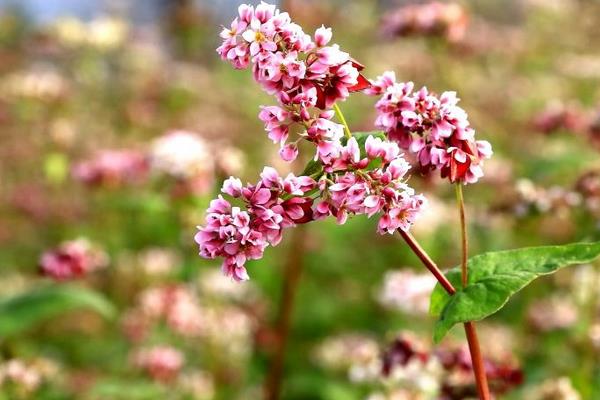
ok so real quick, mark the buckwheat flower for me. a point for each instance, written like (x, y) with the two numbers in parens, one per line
(199, 384)
(448, 20)
(323, 36)
(555, 388)
(112, 168)
(344, 351)
(301, 73)
(183, 155)
(238, 235)
(177, 305)
(371, 191)
(72, 259)
(406, 291)
(230, 330)
(162, 363)
(557, 312)
(158, 261)
(434, 128)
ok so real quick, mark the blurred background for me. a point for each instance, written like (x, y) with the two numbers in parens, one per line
(118, 122)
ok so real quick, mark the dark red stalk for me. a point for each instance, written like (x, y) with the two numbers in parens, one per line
(474, 348)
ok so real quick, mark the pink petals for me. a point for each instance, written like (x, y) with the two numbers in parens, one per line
(433, 128)
(239, 235)
(301, 73)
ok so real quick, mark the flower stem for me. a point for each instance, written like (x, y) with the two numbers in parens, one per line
(427, 262)
(340, 115)
(474, 348)
(463, 234)
(470, 331)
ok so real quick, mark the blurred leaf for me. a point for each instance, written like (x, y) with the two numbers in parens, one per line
(127, 390)
(25, 310)
(56, 167)
(494, 277)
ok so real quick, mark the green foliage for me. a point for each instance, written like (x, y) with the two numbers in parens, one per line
(25, 310)
(127, 389)
(494, 277)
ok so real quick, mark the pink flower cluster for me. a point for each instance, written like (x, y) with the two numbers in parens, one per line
(113, 168)
(356, 189)
(72, 259)
(350, 185)
(237, 235)
(447, 20)
(162, 363)
(300, 71)
(176, 305)
(307, 77)
(434, 128)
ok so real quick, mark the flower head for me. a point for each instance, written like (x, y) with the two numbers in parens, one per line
(434, 128)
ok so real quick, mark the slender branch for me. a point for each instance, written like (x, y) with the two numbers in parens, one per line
(340, 115)
(428, 262)
(476, 357)
(291, 280)
(474, 348)
(463, 234)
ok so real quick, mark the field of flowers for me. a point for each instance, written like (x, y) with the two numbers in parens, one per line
(128, 148)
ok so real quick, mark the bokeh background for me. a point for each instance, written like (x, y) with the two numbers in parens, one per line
(118, 121)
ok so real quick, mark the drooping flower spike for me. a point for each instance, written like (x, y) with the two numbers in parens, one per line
(347, 186)
(308, 76)
(434, 128)
(305, 74)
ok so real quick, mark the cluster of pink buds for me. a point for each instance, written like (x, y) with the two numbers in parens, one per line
(559, 117)
(271, 205)
(348, 187)
(162, 363)
(302, 72)
(72, 259)
(177, 305)
(307, 76)
(351, 188)
(456, 380)
(434, 128)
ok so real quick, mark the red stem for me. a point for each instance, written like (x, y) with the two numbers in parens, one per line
(474, 348)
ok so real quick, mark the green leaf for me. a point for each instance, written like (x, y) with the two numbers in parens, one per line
(494, 277)
(313, 167)
(361, 137)
(25, 310)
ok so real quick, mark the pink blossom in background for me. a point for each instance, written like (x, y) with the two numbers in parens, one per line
(183, 155)
(407, 291)
(448, 20)
(72, 259)
(112, 168)
(432, 127)
(162, 363)
(177, 305)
